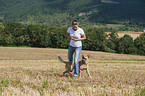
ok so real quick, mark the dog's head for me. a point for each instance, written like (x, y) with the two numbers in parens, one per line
(85, 59)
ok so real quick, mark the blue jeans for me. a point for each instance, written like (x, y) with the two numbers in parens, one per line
(77, 51)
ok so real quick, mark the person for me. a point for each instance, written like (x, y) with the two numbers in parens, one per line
(76, 34)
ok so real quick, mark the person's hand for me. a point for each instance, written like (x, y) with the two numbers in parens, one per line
(74, 39)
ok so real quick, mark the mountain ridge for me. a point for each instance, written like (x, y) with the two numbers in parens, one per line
(61, 12)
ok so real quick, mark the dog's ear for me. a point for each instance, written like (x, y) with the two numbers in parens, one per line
(88, 56)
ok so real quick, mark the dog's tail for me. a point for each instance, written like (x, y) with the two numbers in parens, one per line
(60, 59)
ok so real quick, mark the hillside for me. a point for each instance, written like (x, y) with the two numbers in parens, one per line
(61, 12)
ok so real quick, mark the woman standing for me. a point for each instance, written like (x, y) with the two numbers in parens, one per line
(76, 34)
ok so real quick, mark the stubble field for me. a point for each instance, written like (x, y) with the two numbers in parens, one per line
(134, 35)
(37, 72)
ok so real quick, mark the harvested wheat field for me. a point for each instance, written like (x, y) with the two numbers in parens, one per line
(134, 35)
(37, 72)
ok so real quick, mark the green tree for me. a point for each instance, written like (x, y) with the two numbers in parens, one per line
(53, 38)
(5, 39)
(15, 33)
(96, 39)
(62, 40)
(112, 40)
(126, 45)
(58, 37)
(139, 43)
(37, 35)
(2, 27)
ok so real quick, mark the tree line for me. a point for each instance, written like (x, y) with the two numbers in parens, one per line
(15, 34)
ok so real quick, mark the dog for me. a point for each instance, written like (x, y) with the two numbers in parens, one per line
(69, 65)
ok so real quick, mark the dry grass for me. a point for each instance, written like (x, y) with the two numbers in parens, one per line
(37, 72)
(134, 35)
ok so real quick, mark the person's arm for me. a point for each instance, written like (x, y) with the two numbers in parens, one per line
(83, 38)
(68, 35)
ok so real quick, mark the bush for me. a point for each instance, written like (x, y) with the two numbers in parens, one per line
(11, 33)
(58, 37)
(37, 35)
(2, 27)
(126, 45)
(96, 39)
(112, 40)
(139, 43)
(14, 34)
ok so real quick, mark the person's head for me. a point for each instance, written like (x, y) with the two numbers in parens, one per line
(75, 24)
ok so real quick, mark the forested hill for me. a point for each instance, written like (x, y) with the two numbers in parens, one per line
(61, 12)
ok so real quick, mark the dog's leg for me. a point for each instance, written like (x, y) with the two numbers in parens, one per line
(79, 73)
(71, 66)
(88, 73)
(64, 72)
(70, 74)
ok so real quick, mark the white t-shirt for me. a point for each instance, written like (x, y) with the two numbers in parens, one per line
(75, 34)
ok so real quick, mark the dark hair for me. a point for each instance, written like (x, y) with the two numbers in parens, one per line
(75, 22)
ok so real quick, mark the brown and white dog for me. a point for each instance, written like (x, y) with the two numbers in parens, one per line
(69, 66)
